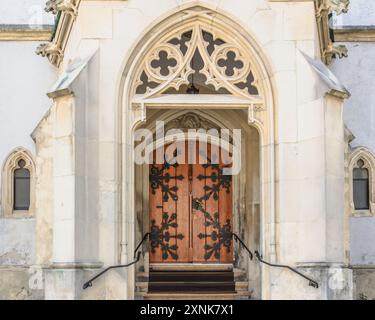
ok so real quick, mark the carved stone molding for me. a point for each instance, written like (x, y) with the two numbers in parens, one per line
(193, 58)
(55, 6)
(191, 120)
(355, 34)
(324, 9)
(25, 32)
(67, 11)
(50, 50)
(338, 6)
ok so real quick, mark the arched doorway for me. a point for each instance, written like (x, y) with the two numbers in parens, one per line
(238, 200)
(190, 63)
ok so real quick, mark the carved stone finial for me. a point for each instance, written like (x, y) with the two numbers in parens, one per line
(55, 6)
(328, 6)
(50, 50)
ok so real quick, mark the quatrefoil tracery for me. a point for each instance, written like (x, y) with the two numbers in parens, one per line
(172, 65)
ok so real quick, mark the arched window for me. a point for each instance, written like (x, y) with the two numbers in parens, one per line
(21, 187)
(361, 187)
(362, 170)
(18, 184)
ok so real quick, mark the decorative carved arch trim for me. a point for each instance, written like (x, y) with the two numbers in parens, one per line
(196, 50)
(368, 159)
(9, 167)
(233, 71)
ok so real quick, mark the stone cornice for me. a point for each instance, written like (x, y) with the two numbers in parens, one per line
(66, 11)
(355, 34)
(25, 33)
(324, 9)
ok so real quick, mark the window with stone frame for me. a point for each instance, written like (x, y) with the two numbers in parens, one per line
(18, 177)
(362, 170)
(361, 187)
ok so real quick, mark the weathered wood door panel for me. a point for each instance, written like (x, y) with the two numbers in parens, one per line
(190, 212)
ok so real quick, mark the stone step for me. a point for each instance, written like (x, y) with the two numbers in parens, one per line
(191, 276)
(239, 275)
(191, 281)
(241, 286)
(191, 267)
(192, 286)
(142, 276)
(141, 286)
(195, 296)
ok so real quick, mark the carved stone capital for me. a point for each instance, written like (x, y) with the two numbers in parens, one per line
(55, 6)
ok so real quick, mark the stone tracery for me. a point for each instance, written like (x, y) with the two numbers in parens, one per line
(196, 56)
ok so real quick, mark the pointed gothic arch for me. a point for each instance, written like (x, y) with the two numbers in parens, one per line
(256, 100)
(216, 35)
(18, 160)
(362, 159)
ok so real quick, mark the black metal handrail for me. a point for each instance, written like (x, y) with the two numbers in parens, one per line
(238, 239)
(137, 256)
(312, 282)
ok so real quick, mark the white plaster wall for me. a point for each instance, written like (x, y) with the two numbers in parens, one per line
(30, 12)
(17, 241)
(362, 241)
(24, 80)
(357, 73)
(361, 12)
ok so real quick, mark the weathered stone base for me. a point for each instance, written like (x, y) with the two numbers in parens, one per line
(364, 282)
(21, 283)
(67, 284)
(335, 283)
(34, 283)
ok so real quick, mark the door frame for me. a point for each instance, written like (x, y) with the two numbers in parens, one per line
(143, 175)
(242, 204)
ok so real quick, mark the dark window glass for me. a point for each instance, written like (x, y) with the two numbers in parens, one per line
(361, 188)
(21, 185)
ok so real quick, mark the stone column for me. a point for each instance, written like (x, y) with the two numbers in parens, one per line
(311, 205)
(75, 199)
(64, 182)
(60, 281)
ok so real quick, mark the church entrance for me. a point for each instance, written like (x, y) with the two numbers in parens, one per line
(196, 69)
(190, 208)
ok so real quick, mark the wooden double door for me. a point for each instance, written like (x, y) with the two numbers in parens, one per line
(190, 209)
